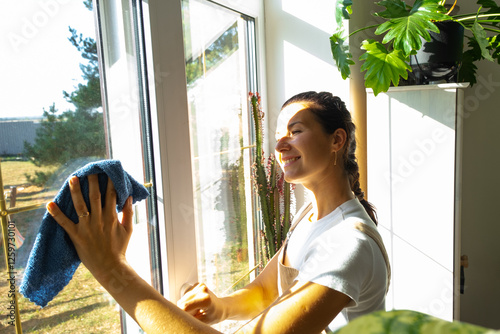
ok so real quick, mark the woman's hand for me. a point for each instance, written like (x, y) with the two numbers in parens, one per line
(100, 238)
(203, 304)
(101, 241)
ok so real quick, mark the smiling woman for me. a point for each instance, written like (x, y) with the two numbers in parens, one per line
(332, 269)
(314, 112)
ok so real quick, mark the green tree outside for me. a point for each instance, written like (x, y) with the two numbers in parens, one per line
(73, 133)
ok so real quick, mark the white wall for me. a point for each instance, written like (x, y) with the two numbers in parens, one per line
(481, 182)
(298, 56)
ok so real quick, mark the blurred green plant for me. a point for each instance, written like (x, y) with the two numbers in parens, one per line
(39, 179)
(408, 321)
(274, 193)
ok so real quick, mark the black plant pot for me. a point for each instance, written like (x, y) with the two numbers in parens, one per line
(439, 59)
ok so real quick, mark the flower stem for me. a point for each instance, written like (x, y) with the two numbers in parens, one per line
(473, 17)
(361, 29)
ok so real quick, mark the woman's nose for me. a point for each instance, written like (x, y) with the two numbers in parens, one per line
(282, 145)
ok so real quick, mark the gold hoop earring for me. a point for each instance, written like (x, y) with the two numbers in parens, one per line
(335, 162)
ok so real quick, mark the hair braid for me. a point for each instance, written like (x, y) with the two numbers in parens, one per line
(352, 168)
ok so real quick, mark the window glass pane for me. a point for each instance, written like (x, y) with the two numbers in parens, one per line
(216, 68)
(126, 114)
(51, 124)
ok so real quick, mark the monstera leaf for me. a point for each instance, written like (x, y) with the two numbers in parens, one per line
(482, 40)
(468, 70)
(341, 54)
(382, 67)
(407, 26)
(393, 9)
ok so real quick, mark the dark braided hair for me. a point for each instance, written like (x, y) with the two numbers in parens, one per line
(330, 111)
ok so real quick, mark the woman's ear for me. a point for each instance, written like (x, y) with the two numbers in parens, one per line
(339, 139)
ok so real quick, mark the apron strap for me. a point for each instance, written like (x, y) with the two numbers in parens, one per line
(299, 218)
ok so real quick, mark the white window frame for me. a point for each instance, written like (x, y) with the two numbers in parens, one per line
(171, 140)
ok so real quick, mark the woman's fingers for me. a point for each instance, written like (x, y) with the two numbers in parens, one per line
(94, 195)
(201, 303)
(61, 219)
(109, 211)
(128, 215)
(110, 202)
(195, 299)
(76, 194)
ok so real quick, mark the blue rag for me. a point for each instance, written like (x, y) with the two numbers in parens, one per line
(53, 259)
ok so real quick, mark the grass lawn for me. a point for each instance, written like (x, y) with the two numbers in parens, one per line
(83, 306)
(13, 174)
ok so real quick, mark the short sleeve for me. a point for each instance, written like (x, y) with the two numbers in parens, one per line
(341, 259)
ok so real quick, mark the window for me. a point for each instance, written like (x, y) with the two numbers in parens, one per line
(126, 106)
(198, 138)
(217, 44)
(48, 67)
(161, 113)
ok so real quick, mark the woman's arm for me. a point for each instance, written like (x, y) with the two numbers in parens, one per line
(101, 241)
(244, 304)
(305, 307)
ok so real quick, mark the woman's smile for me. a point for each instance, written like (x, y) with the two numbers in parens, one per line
(289, 160)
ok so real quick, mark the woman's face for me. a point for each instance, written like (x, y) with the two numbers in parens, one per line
(304, 151)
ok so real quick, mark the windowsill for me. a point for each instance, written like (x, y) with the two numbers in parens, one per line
(452, 85)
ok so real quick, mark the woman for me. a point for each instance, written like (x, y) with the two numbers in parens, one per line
(327, 270)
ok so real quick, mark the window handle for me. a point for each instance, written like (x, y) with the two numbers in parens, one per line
(464, 263)
(186, 287)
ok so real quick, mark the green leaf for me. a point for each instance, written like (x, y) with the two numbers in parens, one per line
(482, 40)
(467, 72)
(495, 46)
(487, 3)
(342, 11)
(406, 321)
(394, 9)
(382, 67)
(406, 30)
(341, 54)
(473, 48)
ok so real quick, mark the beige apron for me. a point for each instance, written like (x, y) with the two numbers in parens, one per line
(287, 275)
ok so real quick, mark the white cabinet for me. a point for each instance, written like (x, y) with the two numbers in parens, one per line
(414, 151)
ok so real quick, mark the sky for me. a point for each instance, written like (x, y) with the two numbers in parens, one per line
(37, 62)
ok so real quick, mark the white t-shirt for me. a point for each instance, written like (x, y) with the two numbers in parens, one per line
(331, 252)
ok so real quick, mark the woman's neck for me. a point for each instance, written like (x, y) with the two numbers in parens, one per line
(327, 196)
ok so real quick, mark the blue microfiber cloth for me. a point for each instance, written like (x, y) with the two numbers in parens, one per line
(53, 259)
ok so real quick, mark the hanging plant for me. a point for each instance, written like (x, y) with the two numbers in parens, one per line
(273, 192)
